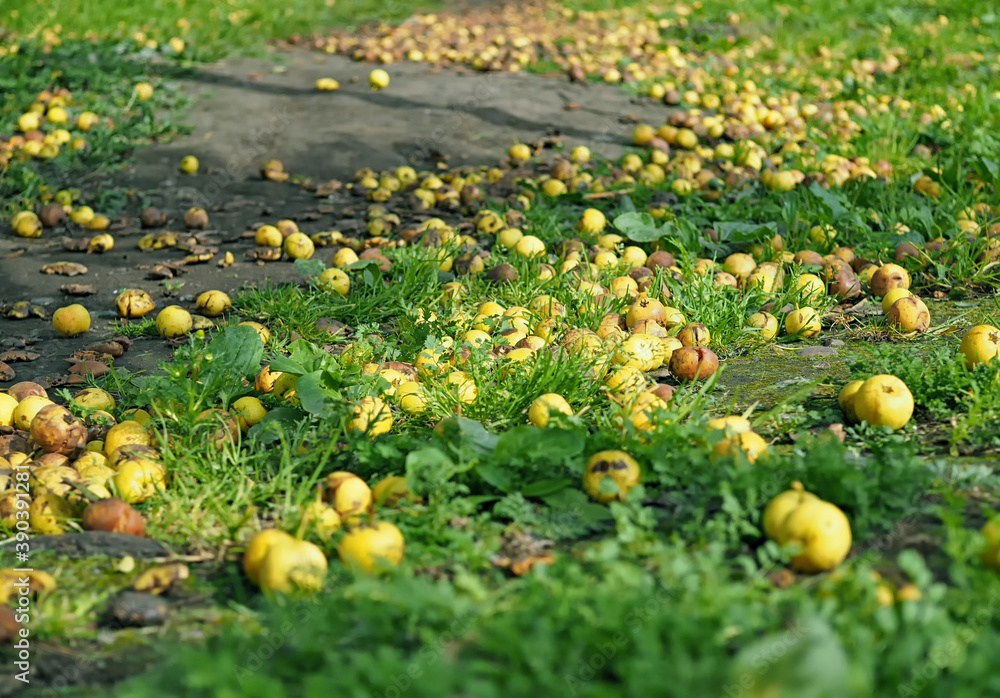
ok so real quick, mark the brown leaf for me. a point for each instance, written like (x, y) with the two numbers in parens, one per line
(16, 253)
(6, 372)
(266, 254)
(12, 355)
(79, 289)
(23, 310)
(106, 348)
(332, 326)
(161, 271)
(157, 241)
(123, 341)
(328, 188)
(838, 431)
(275, 175)
(199, 258)
(522, 567)
(88, 367)
(238, 204)
(75, 245)
(64, 269)
(782, 578)
(88, 355)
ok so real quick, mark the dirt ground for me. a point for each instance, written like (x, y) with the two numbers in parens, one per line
(247, 111)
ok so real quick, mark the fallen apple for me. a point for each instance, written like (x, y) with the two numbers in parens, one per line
(71, 320)
(368, 545)
(616, 466)
(884, 400)
(909, 314)
(693, 363)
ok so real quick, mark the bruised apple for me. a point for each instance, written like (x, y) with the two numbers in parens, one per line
(909, 314)
(693, 363)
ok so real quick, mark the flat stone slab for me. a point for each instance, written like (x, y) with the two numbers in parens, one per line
(817, 351)
(97, 543)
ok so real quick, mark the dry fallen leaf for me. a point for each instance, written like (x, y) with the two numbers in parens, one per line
(165, 271)
(199, 258)
(88, 367)
(160, 579)
(782, 578)
(522, 567)
(24, 309)
(75, 245)
(157, 241)
(275, 175)
(6, 373)
(106, 348)
(78, 289)
(332, 326)
(88, 355)
(64, 269)
(266, 254)
(12, 355)
(328, 188)
(238, 204)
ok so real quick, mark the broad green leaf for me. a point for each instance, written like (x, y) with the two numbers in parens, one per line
(639, 227)
(473, 433)
(545, 487)
(303, 357)
(314, 397)
(495, 475)
(276, 422)
(426, 469)
(527, 442)
(732, 231)
(830, 200)
(991, 167)
(285, 364)
(310, 268)
(239, 350)
(807, 660)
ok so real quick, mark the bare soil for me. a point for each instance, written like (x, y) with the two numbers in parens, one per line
(247, 111)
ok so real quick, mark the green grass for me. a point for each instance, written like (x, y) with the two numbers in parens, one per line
(678, 579)
(210, 29)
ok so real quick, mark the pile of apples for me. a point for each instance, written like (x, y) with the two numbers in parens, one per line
(279, 562)
(819, 529)
(57, 467)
